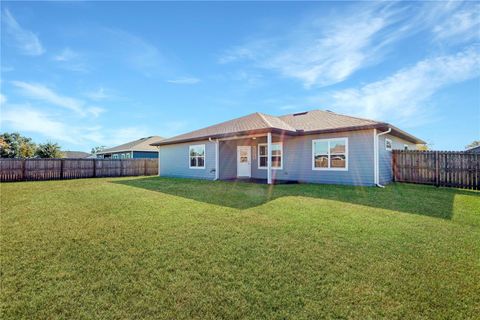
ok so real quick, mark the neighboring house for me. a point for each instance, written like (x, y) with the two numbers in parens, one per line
(315, 146)
(475, 149)
(75, 154)
(140, 148)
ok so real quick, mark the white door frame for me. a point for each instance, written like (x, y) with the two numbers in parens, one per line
(249, 148)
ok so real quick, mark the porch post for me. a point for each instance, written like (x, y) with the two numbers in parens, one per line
(269, 159)
(158, 161)
(217, 160)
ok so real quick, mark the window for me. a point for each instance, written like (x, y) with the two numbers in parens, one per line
(405, 147)
(388, 144)
(115, 156)
(197, 156)
(277, 156)
(330, 154)
(127, 155)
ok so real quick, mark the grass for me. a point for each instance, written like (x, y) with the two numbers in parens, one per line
(157, 248)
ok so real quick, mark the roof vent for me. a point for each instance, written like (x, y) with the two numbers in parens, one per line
(300, 113)
(329, 111)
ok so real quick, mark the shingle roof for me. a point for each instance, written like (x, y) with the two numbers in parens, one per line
(291, 124)
(75, 154)
(316, 120)
(143, 144)
(252, 122)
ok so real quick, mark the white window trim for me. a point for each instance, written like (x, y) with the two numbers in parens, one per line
(204, 156)
(330, 169)
(258, 156)
(391, 145)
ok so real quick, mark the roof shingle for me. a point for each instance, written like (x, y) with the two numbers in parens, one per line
(143, 144)
(292, 124)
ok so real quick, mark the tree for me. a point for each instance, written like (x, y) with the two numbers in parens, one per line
(49, 150)
(97, 149)
(13, 145)
(475, 143)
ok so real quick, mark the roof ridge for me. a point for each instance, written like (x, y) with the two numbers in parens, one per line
(264, 119)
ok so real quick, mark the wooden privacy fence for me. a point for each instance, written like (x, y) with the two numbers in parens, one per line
(50, 169)
(439, 168)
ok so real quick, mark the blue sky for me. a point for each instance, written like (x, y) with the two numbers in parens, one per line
(85, 74)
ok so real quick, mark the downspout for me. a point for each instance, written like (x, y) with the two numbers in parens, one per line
(376, 156)
(216, 157)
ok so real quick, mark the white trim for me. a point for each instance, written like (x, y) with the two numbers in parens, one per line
(258, 156)
(376, 161)
(249, 161)
(391, 144)
(329, 168)
(269, 160)
(217, 159)
(124, 150)
(375, 156)
(204, 156)
(244, 137)
(159, 161)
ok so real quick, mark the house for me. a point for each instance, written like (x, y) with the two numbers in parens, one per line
(314, 146)
(75, 154)
(140, 148)
(475, 149)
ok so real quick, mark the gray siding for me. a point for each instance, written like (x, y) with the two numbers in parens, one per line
(174, 161)
(385, 156)
(297, 159)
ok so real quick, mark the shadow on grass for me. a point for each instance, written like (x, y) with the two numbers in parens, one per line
(417, 199)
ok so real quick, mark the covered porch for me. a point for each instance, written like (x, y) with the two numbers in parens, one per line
(254, 158)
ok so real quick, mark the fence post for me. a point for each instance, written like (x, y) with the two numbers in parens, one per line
(394, 165)
(437, 171)
(145, 167)
(94, 168)
(61, 168)
(24, 168)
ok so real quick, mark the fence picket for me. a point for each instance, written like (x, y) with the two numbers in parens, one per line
(440, 168)
(48, 169)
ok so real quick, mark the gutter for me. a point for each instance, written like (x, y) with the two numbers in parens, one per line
(376, 157)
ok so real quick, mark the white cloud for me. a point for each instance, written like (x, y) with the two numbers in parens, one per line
(405, 95)
(3, 99)
(98, 94)
(25, 40)
(67, 54)
(136, 52)
(328, 48)
(325, 51)
(185, 80)
(43, 93)
(123, 135)
(71, 60)
(461, 26)
(24, 118)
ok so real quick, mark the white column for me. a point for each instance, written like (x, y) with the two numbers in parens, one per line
(217, 160)
(159, 161)
(269, 159)
(375, 156)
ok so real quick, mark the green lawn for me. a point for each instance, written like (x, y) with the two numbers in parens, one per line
(131, 248)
